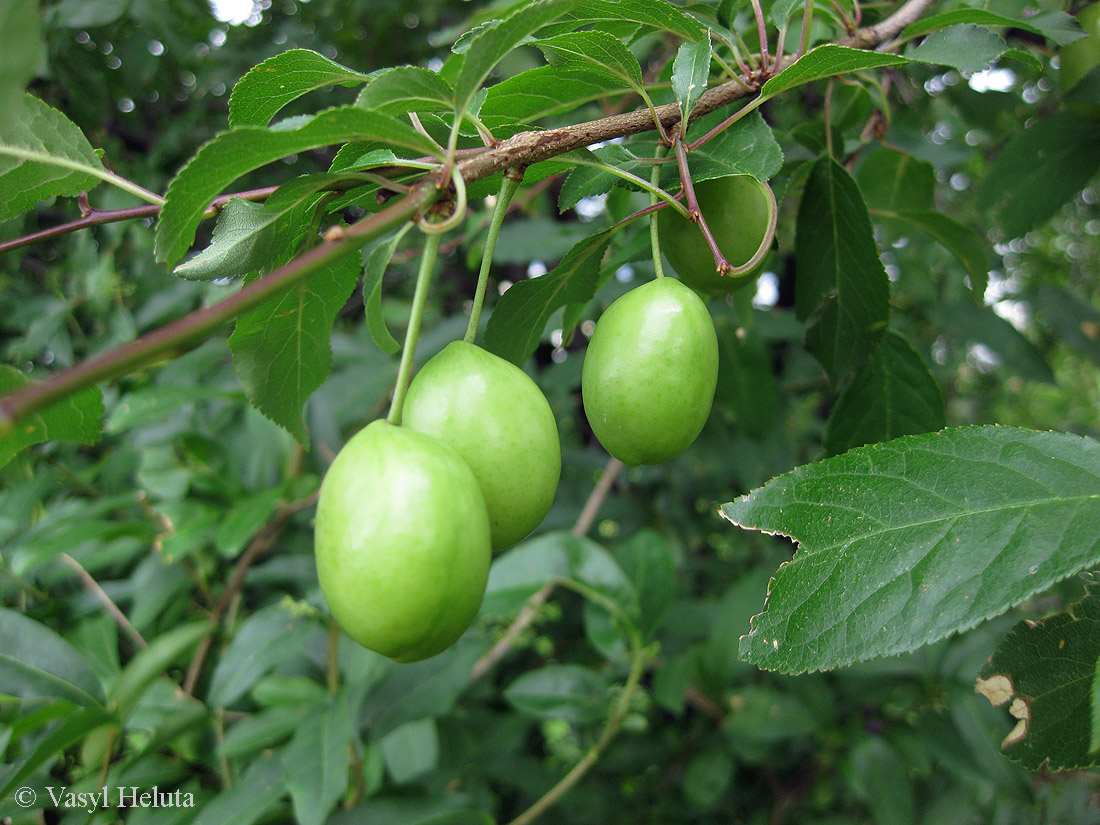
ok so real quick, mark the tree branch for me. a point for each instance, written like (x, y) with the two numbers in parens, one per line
(519, 151)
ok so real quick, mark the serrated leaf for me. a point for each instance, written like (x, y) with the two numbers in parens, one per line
(19, 57)
(904, 543)
(593, 53)
(281, 347)
(232, 154)
(577, 694)
(42, 154)
(1047, 669)
(315, 762)
(535, 94)
(690, 71)
(894, 394)
(78, 418)
(781, 11)
(517, 322)
(969, 323)
(407, 89)
(827, 61)
(1056, 26)
(1040, 169)
(496, 39)
(746, 148)
(961, 241)
(653, 14)
(271, 85)
(375, 261)
(965, 47)
(37, 663)
(841, 283)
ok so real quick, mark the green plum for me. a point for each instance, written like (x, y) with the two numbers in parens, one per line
(737, 210)
(650, 371)
(1079, 58)
(499, 421)
(402, 542)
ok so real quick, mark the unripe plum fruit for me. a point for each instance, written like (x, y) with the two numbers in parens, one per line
(499, 421)
(402, 542)
(736, 210)
(650, 371)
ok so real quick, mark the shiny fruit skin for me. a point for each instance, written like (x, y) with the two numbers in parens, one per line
(650, 371)
(402, 542)
(736, 211)
(1079, 58)
(499, 421)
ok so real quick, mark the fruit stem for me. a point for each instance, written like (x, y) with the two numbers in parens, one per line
(412, 334)
(640, 182)
(807, 21)
(654, 234)
(721, 265)
(762, 33)
(508, 188)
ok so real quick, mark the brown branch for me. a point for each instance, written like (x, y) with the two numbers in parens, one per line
(92, 586)
(596, 498)
(518, 152)
(263, 541)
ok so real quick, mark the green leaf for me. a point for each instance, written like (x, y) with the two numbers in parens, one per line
(261, 730)
(1047, 668)
(535, 94)
(965, 47)
(894, 394)
(585, 181)
(375, 261)
(593, 53)
(281, 348)
(969, 323)
(782, 10)
(882, 779)
(271, 85)
(1075, 321)
(1040, 169)
(570, 692)
(265, 639)
(1056, 26)
(405, 89)
(690, 72)
(904, 543)
(841, 284)
(232, 154)
(82, 14)
(151, 663)
(155, 403)
(19, 56)
(256, 793)
(42, 154)
(747, 148)
(411, 750)
(827, 61)
(893, 180)
(243, 243)
(76, 418)
(245, 520)
(653, 14)
(961, 241)
(520, 316)
(518, 573)
(497, 39)
(76, 725)
(37, 663)
(315, 762)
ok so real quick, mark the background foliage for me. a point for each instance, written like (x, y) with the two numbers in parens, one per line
(226, 677)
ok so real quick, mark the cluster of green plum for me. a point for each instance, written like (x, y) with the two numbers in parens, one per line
(409, 514)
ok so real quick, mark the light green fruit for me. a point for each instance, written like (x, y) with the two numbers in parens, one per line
(650, 371)
(499, 421)
(402, 542)
(737, 211)
(1079, 58)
